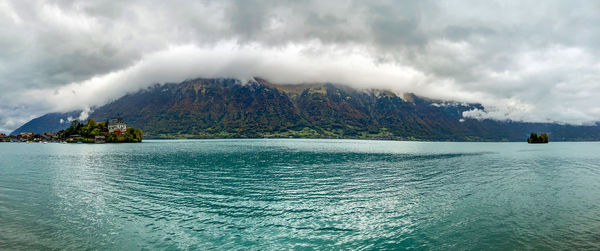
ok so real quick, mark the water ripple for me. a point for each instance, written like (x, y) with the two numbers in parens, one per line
(300, 194)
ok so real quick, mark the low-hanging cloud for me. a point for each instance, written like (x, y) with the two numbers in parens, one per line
(521, 60)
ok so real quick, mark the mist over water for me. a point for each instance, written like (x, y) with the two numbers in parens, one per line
(280, 194)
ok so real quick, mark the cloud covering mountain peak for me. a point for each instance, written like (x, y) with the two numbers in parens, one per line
(521, 60)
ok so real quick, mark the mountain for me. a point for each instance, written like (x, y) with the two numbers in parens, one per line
(229, 108)
(50, 122)
(220, 108)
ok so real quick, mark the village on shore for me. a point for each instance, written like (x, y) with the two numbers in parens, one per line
(112, 131)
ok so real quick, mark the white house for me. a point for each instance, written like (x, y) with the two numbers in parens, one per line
(116, 124)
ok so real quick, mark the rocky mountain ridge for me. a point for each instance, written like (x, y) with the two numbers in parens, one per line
(230, 108)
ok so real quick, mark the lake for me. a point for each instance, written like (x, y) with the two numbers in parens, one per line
(300, 194)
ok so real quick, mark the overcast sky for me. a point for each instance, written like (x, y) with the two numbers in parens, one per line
(521, 59)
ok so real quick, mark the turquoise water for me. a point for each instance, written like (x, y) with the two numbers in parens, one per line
(302, 194)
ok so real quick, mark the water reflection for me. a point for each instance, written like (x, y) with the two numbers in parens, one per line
(281, 194)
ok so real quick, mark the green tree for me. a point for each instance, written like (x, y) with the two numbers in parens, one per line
(91, 123)
(103, 126)
(95, 132)
(72, 130)
(532, 138)
(543, 138)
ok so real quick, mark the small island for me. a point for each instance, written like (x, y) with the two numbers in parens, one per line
(535, 139)
(113, 131)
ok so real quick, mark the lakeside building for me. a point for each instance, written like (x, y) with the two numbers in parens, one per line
(117, 125)
(100, 140)
(30, 137)
(26, 135)
(49, 137)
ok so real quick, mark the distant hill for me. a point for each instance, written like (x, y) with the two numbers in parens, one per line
(222, 108)
(50, 122)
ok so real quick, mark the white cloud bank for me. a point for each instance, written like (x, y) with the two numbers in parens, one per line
(521, 61)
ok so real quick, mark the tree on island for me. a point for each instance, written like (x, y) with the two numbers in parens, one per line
(535, 139)
(86, 133)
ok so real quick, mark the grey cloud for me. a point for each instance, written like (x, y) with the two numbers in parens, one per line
(494, 52)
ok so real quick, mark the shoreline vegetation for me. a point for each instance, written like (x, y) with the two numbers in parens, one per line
(308, 133)
(49, 138)
(93, 132)
(36, 139)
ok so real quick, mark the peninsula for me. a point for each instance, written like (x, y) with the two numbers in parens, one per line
(113, 131)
